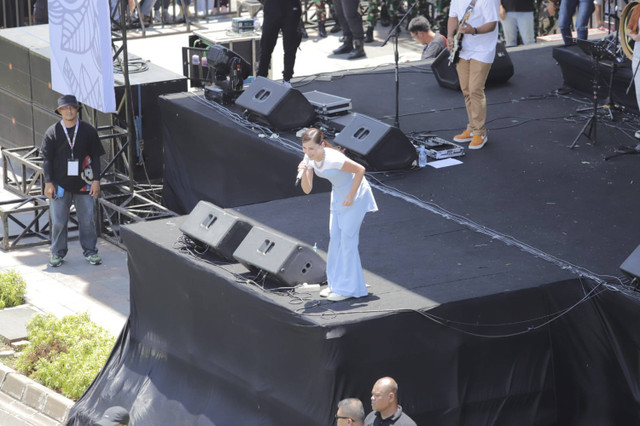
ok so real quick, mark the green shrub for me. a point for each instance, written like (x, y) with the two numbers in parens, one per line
(12, 289)
(64, 354)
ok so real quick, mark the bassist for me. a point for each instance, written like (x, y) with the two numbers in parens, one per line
(475, 36)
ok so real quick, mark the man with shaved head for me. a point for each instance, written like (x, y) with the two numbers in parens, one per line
(384, 402)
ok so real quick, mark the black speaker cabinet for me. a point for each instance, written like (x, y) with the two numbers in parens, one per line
(220, 230)
(287, 261)
(631, 266)
(276, 105)
(376, 144)
(447, 76)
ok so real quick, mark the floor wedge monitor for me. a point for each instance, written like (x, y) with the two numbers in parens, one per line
(285, 260)
(221, 231)
(376, 144)
(276, 105)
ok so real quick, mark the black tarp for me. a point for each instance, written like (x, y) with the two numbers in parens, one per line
(203, 348)
(209, 156)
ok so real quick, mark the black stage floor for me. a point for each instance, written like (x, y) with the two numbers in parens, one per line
(525, 187)
(496, 295)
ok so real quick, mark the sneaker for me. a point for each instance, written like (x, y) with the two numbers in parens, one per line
(55, 261)
(465, 136)
(335, 297)
(637, 134)
(478, 141)
(94, 259)
(325, 292)
(286, 83)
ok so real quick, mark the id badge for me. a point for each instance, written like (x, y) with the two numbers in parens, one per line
(72, 167)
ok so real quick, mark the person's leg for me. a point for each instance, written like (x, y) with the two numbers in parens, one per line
(333, 252)
(351, 10)
(291, 38)
(463, 69)
(347, 45)
(270, 29)
(585, 10)
(565, 19)
(86, 225)
(348, 277)
(525, 26)
(636, 80)
(510, 29)
(59, 217)
(478, 72)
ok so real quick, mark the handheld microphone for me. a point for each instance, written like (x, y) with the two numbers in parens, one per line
(300, 173)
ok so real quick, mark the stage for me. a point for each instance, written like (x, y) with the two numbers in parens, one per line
(496, 296)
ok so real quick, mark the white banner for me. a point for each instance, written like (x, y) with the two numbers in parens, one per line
(81, 58)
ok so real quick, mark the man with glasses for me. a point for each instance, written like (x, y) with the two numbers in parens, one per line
(350, 412)
(384, 402)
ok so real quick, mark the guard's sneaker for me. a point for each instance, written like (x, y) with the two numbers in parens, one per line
(465, 136)
(94, 259)
(55, 261)
(478, 141)
(637, 134)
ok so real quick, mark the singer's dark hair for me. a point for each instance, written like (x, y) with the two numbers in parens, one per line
(313, 135)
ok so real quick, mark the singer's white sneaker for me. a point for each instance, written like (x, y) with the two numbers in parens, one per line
(335, 297)
(325, 292)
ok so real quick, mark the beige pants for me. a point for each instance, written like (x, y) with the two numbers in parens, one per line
(473, 76)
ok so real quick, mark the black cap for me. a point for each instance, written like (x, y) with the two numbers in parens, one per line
(114, 416)
(67, 100)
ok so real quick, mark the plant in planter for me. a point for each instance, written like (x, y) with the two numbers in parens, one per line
(12, 289)
(64, 354)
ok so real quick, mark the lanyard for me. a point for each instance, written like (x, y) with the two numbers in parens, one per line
(72, 142)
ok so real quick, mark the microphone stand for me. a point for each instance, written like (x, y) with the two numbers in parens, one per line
(395, 32)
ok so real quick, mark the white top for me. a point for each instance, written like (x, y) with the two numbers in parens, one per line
(341, 181)
(481, 47)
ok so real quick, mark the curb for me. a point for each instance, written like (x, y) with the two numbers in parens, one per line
(43, 400)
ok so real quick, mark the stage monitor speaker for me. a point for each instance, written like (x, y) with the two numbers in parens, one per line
(447, 76)
(631, 266)
(285, 260)
(276, 105)
(215, 227)
(378, 145)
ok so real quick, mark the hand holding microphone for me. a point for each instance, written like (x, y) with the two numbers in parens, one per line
(302, 167)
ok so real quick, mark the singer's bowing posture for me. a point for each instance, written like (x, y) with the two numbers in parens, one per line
(351, 199)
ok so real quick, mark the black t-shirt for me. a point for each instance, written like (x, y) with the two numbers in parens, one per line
(56, 153)
(518, 5)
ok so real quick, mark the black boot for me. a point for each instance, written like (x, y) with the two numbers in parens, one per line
(346, 47)
(358, 51)
(336, 28)
(322, 31)
(368, 37)
(394, 21)
(385, 20)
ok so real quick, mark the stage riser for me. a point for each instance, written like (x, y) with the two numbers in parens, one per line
(212, 336)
